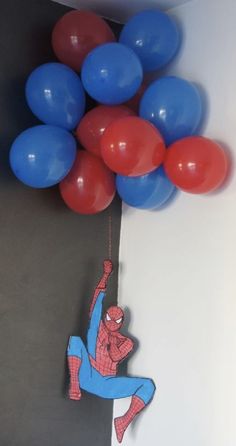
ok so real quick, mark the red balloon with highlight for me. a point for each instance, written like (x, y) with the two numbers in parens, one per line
(196, 164)
(132, 146)
(76, 34)
(90, 186)
(95, 122)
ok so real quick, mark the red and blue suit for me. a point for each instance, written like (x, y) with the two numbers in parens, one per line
(93, 368)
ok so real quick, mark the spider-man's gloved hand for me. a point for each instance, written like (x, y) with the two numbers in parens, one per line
(107, 267)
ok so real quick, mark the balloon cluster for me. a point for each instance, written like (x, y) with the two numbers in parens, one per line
(145, 134)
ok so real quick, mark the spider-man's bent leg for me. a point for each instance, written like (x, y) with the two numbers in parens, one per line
(115, 387)
(79, 366)
(141, 390)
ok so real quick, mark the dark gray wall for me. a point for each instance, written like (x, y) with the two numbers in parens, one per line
(50, 260)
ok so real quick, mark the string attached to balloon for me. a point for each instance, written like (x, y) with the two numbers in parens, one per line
(110, 236)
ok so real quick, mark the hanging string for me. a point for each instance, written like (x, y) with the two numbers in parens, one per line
(109, 236)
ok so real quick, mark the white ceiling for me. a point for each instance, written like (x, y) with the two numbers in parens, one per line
(120, 10)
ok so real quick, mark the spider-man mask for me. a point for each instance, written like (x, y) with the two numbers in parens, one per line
(113, 318)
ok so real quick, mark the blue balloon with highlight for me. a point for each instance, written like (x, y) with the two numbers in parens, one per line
(154, 37)
(174, 106)
(43, 155)
(112, 73)
(55, 95)
(150, 191)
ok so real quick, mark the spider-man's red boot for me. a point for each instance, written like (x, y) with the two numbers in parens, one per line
(74, 364)
(121, 423)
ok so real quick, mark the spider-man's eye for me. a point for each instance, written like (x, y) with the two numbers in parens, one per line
(118, 320)
(108, 318)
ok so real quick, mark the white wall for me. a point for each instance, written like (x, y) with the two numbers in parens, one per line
(120, 10)
(178, 268)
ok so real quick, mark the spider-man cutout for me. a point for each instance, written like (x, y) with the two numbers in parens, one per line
(94, 368)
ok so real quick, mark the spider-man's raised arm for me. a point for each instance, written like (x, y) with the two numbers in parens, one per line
(95, 312)
(102, 284)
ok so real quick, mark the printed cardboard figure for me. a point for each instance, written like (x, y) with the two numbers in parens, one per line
(94, 368)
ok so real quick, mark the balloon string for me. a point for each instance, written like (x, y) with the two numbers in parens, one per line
(109, 236)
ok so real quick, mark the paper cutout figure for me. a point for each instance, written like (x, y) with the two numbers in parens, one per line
(94, 368)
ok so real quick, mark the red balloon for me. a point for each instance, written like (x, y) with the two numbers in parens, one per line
(76, 34)
(132, 146)
(90, 186)
(134, 102)
(95, 122)
(196, 164)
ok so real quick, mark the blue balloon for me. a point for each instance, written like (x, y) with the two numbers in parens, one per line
(112, 73)
(174, 106)
(43, 155)
(148, 191)
(154, 37)
(55, 95)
